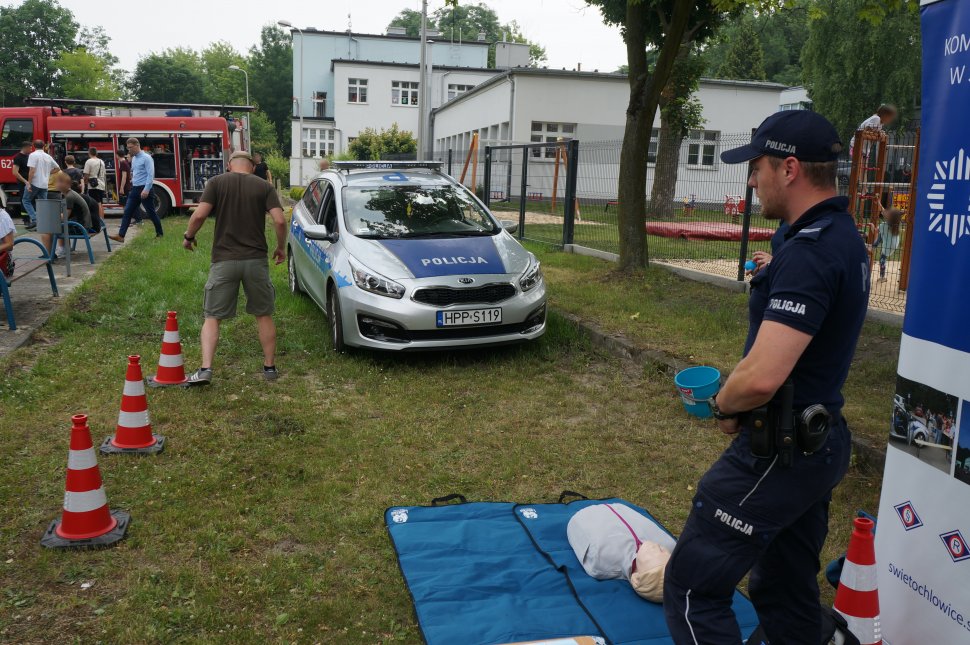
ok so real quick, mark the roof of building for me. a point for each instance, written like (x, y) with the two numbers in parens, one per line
(354, 34)
(594, 75)
(381, 63)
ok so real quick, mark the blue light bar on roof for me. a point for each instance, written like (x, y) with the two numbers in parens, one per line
(385, 165)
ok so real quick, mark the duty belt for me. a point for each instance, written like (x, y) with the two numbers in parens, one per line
(779, 429)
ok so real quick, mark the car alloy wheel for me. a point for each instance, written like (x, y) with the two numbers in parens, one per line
(336, 322)
(294, 280)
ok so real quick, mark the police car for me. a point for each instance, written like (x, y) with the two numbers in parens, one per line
(401, 256)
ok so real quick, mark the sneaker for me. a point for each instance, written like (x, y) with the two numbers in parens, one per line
(200, 376)
(31, 227)
(270, 373)
(117, 238)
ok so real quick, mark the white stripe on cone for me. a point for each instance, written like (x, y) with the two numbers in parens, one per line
(134, 388)
(170, 337)
(170, 360)
(860, 577)
(81, 459)
(89, 500)
(133, 419)
(867, 630)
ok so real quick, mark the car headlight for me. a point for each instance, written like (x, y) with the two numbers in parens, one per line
(375, 283)
(532, 275)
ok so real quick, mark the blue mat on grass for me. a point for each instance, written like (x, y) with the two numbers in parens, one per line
(485, 573)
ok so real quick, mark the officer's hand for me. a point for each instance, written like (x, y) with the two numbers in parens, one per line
(761, 260)
(728, 426)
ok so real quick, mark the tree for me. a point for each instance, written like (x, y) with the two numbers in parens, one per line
(371, 145)
(664, 25)
(225, 86)
(82, 75)
(271, 79)
(744, 59)
(262, 133)
(35, 33)
(680, 112)
(465, 22)
(410, 20)
(851, 65)
(782, 33)
(95, 41)
(173, 76)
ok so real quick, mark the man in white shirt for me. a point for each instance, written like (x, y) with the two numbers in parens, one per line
(40, 167)
(7, 234)
(884, 116)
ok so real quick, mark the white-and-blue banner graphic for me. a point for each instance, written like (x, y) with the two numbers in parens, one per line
(922, 552)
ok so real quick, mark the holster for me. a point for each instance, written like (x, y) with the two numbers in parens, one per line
(775, 428)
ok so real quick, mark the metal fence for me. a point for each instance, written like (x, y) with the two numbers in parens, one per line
(700, 213)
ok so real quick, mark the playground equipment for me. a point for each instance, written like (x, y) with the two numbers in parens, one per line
(562, 156)
(734, 206)
(472, 154)
(690, 203)
(868, 186)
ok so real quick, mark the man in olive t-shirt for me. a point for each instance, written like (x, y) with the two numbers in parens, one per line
(239, 200)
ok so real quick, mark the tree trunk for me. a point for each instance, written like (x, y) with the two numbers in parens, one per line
(664, 190)
(645, 89)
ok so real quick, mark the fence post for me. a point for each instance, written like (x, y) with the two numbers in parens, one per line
(487, 180)
(746, 224)
(523, 190)
(449, 161)
(569, 214)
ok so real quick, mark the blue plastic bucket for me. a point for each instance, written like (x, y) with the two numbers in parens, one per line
(696, 385)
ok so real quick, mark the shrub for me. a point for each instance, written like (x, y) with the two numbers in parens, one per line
(371, 145)
(279, 166)
(296, 193)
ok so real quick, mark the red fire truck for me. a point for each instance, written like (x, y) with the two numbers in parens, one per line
(187, 149)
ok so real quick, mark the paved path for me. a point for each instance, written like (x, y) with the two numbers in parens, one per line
(31, 296)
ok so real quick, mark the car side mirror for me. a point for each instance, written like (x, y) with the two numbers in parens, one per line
(510, 225)
(319, 232)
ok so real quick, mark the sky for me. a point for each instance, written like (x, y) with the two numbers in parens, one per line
(571, 31)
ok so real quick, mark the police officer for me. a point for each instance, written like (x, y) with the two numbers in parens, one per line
(769, 514)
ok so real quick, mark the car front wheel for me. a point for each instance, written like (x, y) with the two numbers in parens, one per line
(335, 319)
(292, 276)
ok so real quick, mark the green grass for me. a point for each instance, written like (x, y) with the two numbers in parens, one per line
(706, 324)
(263, 519)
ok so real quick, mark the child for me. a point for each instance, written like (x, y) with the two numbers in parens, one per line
(887, 239)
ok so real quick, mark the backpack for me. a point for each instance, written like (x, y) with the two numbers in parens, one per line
(6, 263)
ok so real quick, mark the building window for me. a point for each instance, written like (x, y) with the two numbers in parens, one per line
(702, 148)
(318, 142)
(455, 90)
(404, 92)
(357, 90)
(654, 145)
(320, 104)
(543, 132)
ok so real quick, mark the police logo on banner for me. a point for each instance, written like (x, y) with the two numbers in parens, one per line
(907, 514)
(956, 546)
(953, 175)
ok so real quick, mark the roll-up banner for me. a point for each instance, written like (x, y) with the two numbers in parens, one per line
(922, 552)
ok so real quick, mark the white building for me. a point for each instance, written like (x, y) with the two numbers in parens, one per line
(541, 105)
(346, 81)
(795, 98)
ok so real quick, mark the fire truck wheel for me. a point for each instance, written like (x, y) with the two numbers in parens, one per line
(163, 205)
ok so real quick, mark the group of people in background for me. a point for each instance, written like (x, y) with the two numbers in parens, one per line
(939, 425)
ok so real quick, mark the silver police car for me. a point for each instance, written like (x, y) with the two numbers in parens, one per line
(401, 256)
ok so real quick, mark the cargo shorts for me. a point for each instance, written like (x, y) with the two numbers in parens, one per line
(222, 288)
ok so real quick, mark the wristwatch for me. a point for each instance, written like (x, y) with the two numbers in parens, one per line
(186, 237)
(716, 411)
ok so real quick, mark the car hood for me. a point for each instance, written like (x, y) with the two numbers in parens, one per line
(423, 258)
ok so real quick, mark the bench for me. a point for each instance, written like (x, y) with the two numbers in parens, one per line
(76, 231)
(920, 444)
(535, 196)
(25, 267)
(612, 202)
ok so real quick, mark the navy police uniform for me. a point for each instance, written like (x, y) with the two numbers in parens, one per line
(755, 514)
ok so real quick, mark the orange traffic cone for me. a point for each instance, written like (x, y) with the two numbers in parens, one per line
(857, 598)
(86, 520)
(171, 369)
(134, 431)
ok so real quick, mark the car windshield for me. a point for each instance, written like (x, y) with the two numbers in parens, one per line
(388, 212)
